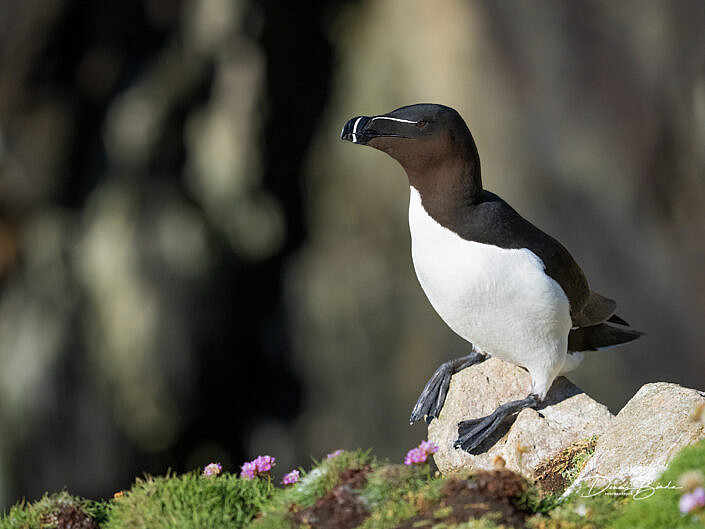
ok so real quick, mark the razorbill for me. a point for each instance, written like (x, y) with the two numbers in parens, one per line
(509, 289)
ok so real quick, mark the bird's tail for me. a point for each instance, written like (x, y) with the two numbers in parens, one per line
(602, 336)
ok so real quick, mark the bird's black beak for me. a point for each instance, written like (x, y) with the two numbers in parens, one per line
(363, 129)
(354, 130)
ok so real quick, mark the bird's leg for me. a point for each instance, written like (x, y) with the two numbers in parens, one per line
(433, 396)
(472, 432)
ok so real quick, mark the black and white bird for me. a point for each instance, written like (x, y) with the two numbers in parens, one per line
(499, 282)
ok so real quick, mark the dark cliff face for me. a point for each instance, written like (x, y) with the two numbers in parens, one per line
(174, 345)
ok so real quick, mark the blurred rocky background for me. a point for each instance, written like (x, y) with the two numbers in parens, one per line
(193, 267)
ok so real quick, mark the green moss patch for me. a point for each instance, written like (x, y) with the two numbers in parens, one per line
(487, 498)
(353, 490)
(579, 512)
(558, 473)
(59, 511)
(661, 509)
(286, 506)
(189, 501)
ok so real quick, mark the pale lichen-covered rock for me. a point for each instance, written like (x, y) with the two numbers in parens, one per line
(651, 428)
(568, 416)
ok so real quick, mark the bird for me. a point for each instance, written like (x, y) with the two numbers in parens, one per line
(509, 289)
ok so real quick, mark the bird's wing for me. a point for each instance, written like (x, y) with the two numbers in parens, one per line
(493, 221)
(601, 336)
(597, 309)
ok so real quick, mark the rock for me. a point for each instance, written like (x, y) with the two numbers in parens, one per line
(569, 416)
(645, 435)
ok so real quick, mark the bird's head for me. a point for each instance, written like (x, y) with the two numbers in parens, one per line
(425, 139)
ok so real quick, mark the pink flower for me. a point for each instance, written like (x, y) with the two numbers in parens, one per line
(212, 469)
(291, 478)
(248, 470)
(699, 494)
(420, 454)
(428, 447)
(264, 463)
(415, 456)
(259, 465)
(692, 501)
(334, 454)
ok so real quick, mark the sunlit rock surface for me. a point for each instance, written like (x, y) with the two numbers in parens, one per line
(536, 436)
(645, 435)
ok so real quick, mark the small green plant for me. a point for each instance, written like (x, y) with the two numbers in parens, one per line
(532, 500)
(581, 454)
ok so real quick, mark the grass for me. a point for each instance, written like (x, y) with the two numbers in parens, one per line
(578, 512)
(42, 513)
(661, 509)
(658, 511)
(188, 501)
(396, 493)
(580, 455)
(557, 474)
(322, 478)
(393, 494)
(532, 500)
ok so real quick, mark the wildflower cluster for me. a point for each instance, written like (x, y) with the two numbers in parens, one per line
(694, 498)
(419, 455)
(692, 501)
(212, 469)
(291, 478)
(259, 465)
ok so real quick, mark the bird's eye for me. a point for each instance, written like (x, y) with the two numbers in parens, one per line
(420, 124)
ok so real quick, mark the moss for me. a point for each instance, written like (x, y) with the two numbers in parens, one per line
(545, 496)
(47, 512)
(661, 509)
(580, 512)
(533, 500)
(486, 522)
(395, 493)
(395, 496)
(187, 501)
(324, 476)
(321, 479)
(98, 510)
(581, 452)
(658, 511)
(559, 472)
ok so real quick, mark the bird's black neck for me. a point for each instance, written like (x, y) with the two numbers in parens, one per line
(450, 188)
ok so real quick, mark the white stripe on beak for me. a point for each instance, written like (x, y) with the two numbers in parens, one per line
(395, 119)
(354, 135)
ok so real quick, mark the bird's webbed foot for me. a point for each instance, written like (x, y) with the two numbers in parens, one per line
(430, 402)
(473, 432)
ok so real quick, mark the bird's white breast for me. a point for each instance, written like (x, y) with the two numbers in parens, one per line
(499, 299)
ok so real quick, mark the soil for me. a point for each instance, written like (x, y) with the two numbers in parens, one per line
(340, 508)
(549, 476)
(482, 494)
(69, 516)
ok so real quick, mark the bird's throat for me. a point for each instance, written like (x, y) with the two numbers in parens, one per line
(447, 189)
